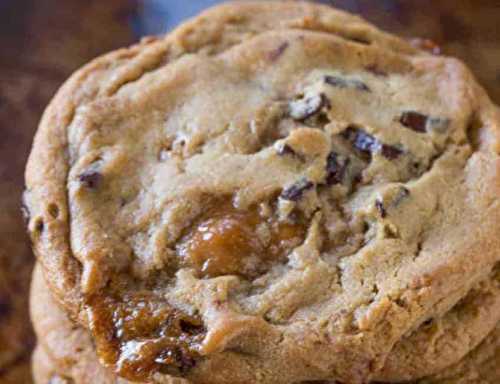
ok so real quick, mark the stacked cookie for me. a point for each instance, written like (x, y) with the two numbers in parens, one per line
(275, 192)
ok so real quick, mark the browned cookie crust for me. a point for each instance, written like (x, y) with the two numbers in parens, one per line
(274, 192)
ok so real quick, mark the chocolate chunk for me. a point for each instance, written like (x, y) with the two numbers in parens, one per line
(295, 191)
(380, 208)
(307, 107)
(362, 141)
(368, 145)
(275, 54)
(414, 120)
(90, 179)
(335, 168)
(422, 123)
(341, 82)
(390, 152)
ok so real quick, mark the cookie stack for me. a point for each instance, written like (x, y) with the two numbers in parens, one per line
(275, 192)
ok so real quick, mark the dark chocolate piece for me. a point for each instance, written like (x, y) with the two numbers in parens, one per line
(380, 208)
(335, 168)
(362, 141)
(390, 152)
(368, 145)
(414, 120)
(422, 123)
(295, 191)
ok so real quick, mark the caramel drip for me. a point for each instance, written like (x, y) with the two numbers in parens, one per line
(141, 334)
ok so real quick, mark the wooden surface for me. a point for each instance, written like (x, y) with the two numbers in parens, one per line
(43, 41)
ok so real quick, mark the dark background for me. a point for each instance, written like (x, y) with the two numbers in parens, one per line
(43, 41)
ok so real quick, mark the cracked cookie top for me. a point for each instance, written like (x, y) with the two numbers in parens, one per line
(274, 192)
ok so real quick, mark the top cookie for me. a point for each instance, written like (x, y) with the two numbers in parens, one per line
(274, 192)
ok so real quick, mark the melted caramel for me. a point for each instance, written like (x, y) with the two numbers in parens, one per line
(141, 334)
(227, 241)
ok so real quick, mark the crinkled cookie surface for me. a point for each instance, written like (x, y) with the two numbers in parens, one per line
(274, 192)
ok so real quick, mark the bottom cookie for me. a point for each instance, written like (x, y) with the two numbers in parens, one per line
(47, 371)
(65, 353)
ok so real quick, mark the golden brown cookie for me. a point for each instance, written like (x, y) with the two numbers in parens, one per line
(65, 352)
(443, 340)
(481, 366)
(274, 192)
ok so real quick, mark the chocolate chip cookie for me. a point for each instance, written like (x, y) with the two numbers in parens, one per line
(65, 352)
(274, 192)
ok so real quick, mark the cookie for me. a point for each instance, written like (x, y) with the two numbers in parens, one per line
(481, 366)
(275, 192)
(44, 371)
(65, 351)
(444, 340)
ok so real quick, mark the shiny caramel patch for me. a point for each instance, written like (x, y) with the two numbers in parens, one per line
(140, 334)
(228, 241)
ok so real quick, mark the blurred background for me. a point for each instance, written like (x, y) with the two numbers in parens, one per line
(43, 41)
